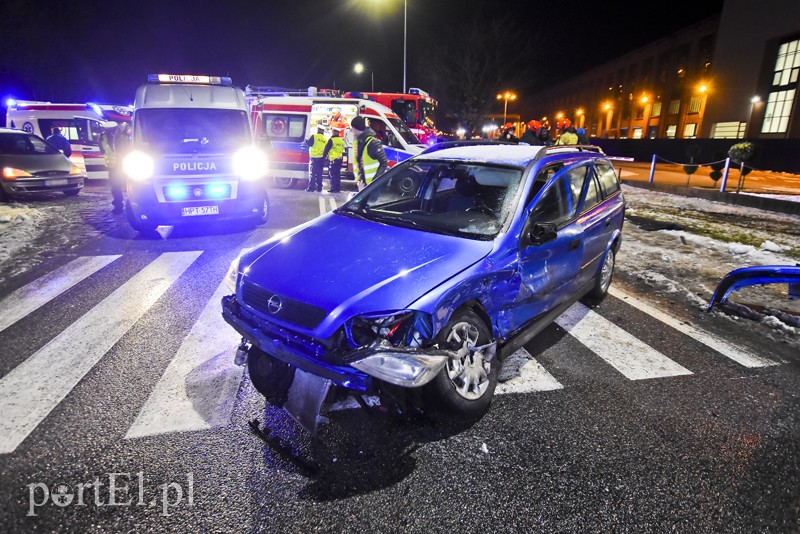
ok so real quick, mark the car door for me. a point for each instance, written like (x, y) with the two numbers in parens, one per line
(550, 249)
(89, 146)
(595, 223)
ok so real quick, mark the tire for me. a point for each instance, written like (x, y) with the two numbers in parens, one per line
(465, 386)
(270, 376)
(263, 215)
(285, 183)
(604, 276)
(136, 223)
(72, 192)
(4, 197)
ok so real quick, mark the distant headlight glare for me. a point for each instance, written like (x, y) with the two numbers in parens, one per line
(138, 166)
(250, 163)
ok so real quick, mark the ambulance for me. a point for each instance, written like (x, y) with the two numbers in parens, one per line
(283, 119)
(193, 156)
(80, 123)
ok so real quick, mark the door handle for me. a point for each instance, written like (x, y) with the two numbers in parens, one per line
(574, 244)
(608, 222)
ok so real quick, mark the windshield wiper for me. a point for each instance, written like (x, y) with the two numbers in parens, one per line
(351, 213)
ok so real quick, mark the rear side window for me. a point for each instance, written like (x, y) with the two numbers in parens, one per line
(608, 178)
(24, 144)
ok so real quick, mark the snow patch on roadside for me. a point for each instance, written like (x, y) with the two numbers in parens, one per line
(19, 225)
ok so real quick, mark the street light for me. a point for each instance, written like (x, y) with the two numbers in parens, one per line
(359, 68)
(506, 97)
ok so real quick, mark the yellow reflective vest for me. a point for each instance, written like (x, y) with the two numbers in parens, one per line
(370, 165)
(337, 148)
(318, 148)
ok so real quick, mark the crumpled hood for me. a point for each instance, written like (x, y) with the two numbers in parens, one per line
(349, 266)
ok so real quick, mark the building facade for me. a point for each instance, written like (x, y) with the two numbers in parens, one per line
(727, 77)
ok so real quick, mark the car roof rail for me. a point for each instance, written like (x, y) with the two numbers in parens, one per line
(465, 142)
(564, 149)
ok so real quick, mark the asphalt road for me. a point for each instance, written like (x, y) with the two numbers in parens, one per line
(120, 411)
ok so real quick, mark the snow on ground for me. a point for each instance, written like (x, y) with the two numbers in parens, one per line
(19, 225)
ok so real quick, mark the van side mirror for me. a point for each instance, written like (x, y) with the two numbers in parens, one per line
(542, 233)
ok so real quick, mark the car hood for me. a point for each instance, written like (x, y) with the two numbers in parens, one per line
(34, 163)
(348, 266)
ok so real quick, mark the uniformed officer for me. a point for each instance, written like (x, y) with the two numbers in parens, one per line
(316, 148)
(370, 159)
(334, 151)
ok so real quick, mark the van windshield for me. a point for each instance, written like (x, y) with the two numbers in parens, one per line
(407, 134)
(192, 130)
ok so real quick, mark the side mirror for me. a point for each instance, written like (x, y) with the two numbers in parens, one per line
(542, 233)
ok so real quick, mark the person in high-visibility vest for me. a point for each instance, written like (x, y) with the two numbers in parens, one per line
(334, 152)
(370, 159)
(316, 148)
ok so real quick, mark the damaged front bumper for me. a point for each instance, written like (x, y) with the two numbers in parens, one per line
(399, 365)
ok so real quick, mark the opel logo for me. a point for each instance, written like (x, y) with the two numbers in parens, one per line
(274, 304)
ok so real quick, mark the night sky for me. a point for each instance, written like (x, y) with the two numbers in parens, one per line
(101, 51)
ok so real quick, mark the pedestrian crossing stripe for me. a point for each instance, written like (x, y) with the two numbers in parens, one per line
(323, 209)
(199, 386)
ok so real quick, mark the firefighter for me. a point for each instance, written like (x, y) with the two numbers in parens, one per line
(531, 135)
(316, 148)
(370, 159)
(334, 152)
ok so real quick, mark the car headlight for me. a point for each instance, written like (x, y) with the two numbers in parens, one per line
(75, 171)
(10, 173)
(250, 163)
(138, 166)
(233, 274)
(403, 327)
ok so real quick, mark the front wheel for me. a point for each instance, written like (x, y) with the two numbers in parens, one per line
(603, 279)
(263, 214)
(136, 223)
(466, 384)
(270, 376)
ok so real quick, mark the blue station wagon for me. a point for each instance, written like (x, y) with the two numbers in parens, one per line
(420, 284)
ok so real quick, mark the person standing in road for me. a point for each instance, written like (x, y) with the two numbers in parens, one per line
(370, 159)
(508, 135)
(59, 141)
(334, 152)
(116, 180)
(316, 148)
(531, 135)
(569, 137)
(582, 139)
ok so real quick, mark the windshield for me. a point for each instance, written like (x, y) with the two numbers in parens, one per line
(192, 130)
(18, 144)
(426, 114)
(405, 133)
(467, 200)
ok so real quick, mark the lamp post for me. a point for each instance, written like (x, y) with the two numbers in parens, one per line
(359, 68)
(506, 97)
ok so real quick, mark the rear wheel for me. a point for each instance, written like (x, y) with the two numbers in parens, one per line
(603, 279)
(285, 183)
(136, 223)
(466, 384)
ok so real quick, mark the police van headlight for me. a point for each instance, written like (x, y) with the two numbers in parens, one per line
(138, 166)
(250, 163)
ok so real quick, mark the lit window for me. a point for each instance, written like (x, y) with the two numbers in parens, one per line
(656, 111)
(623, 133)
(690, 130)
(779, 108)
(674, 107)
(695, 104)
(787, 64)
(671, 130)
(728, 130)
(637, 132)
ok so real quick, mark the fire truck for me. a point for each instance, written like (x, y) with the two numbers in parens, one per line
(80, 123)
(283, 118)
(416, 108)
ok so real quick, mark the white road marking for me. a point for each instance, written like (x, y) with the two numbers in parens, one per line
(31, 297)
(322, 209)
(532, 377)
(332, 202)
(32, 389)
(737, 354)
(198, 388)
(627, 354)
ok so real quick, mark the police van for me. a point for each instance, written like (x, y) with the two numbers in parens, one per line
(193, 155)
(81, 124)
(284, 118)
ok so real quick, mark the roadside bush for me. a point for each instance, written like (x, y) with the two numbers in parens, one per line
(717, 166)
(742, 153)
(692, 151)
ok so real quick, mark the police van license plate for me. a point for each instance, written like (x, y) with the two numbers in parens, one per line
(200, 210)
(55, 182)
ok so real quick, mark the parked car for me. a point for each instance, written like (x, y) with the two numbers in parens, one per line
(428, 277)
(32, 166)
